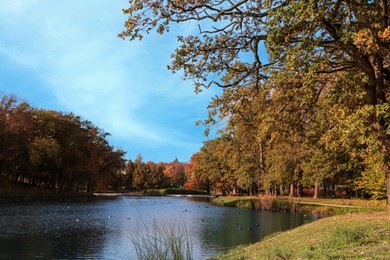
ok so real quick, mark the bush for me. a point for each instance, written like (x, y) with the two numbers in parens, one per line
(171, 191)
(154, 192)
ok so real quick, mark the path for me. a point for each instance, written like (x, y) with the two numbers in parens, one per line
(326, 204)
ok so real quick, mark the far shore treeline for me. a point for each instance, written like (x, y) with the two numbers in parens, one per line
(61, 151)
(53, 150)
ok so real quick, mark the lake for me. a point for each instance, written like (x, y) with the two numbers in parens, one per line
(100, 229)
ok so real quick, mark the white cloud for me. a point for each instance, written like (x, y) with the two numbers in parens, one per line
(73, 48)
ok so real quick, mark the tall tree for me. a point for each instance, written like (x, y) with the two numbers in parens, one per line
(313, 39)
(139, 174)
(175, 172)
(129, 174)
(52, 149)
(16, 129)
(155, 175)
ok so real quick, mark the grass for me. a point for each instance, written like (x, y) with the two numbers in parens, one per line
(163, 240)
(349, 236)
(232, 201)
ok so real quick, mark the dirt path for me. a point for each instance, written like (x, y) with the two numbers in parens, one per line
(326, 204)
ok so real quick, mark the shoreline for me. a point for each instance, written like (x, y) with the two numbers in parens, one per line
(118, 194)
(346, 236)
(326, 207)
(10, 193)
(348, 224)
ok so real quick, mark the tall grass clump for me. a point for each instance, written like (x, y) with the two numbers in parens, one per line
(163, 240)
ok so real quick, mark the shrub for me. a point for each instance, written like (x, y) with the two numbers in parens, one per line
(183, 191)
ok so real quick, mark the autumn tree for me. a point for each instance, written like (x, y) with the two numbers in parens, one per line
(16, 128)
(55, 150)
(155, 175)
(245, 133)
(175, 172)
(319, 38)
(311, 40)
(139, 174)
(128, 175)
(212, 167)
(193, 181)
(194, 174)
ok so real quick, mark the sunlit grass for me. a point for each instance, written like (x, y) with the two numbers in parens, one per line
(349, 236)
(233, 201)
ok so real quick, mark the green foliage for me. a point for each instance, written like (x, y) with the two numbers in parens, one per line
(44, 148)
(173, 191)
(238, 202)
(383, 114)
(283, 162)
(184, 191)
(372, 181)
(154, 192)
(306, 88)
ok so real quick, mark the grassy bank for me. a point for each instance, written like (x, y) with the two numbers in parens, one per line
(173, 191)
(349, 236)
(309, 205)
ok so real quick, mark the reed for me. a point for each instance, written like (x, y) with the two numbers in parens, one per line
(163, 239)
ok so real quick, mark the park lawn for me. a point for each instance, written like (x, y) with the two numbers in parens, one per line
(348, 236)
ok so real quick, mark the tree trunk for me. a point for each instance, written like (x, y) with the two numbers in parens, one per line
(316, 189)
(281, 190)
(291, 189)
(378, 96)
(299, 191)
(386, 166)
(325, 190)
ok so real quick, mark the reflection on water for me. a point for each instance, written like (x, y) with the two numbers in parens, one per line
(101, 229)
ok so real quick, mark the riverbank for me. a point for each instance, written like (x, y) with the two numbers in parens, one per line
(10, 193)
(172, 191)
(20, 193)
(308, 205)
(348, 236)
(357, 229)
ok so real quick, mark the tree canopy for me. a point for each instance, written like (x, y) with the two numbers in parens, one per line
(317, 75)
(54, 150)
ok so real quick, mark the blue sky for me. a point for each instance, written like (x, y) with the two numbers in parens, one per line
(65, 56)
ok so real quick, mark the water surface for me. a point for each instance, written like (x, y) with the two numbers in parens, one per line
(101, 229)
